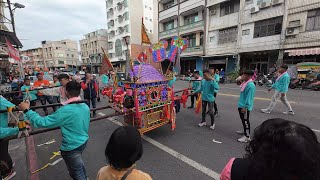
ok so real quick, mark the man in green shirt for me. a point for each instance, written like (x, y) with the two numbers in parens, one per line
(207, 88)
(195, 86)
(74, 120)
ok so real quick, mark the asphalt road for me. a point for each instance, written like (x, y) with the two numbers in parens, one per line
(188, 152)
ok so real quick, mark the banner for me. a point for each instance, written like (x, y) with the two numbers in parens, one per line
(144, 36)
(106, 64)
(12, 52)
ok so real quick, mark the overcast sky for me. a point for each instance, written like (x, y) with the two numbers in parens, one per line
(58, 19)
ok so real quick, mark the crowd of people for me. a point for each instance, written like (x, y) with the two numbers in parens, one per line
(269, 154)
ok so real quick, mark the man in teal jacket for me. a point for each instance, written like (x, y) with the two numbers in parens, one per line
(208, 87)
(6, 165)
(73, 119)
(281, 88)
(216, 76)
(245, 104)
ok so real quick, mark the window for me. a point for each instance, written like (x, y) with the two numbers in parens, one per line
(168, 25)
(211, 38)
(145, 6)
(168, 5)
(268, 27)
(169, 44)
(57, 48)
(229, 7)
(61, 62)
(146, 18)
(118, 47)
(245, 32)
(313, 21)
(150, 8)
(150, 20)
(191, 19)
(201, 38)
(192, 39)
(228, 35)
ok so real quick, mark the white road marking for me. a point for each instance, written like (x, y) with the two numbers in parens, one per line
(174, 153)
(316, 130)
(215, 141)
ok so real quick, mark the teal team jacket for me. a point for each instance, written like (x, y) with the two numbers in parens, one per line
(208, 88)
(6, 131)
(33, 94)
(196, 85)
(171, 82)
(282, 84)
(247, 97)
(73, 119)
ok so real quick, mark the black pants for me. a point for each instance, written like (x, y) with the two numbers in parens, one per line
(245, 122)
(215, 104)
(177, 105)
(5, 159)
(44, 99)
(93, 102)
(192, 98)
(210, 111)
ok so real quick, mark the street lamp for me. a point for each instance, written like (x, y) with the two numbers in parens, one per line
(16, 6)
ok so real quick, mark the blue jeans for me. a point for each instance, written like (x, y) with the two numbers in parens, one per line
(74, 162)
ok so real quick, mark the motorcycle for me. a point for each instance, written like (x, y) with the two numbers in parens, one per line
(265, 80)
(301, 83)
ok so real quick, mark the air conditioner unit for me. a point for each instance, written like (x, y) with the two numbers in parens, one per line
(213, 12)
(254, 9)
(292, 31)
(264, 5)
(276, 2)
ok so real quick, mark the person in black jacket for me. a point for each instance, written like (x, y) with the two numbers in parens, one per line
(90, 91)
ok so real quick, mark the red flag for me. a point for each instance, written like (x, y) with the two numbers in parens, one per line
(106, 64)
(12, 52)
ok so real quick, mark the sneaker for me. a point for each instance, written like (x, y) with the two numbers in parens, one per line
(213, 126)
(267, 111)
(10, 175)
(202, 124)
(240, 132)
(289, 113)
(244, 139)
(191, 107)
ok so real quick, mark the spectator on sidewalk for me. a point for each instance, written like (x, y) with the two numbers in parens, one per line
(90, 89)
(33, 94)
(6, 165)
(124, 149)
(43, 98)
(279, 150)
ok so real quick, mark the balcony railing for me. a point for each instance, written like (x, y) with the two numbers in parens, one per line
(192, 26)
(183, 29)
(194, 49)
(168, 32)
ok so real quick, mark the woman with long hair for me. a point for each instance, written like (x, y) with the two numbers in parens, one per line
(279, 150)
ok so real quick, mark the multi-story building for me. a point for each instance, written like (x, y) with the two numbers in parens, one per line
(61, 54)
(91, 49)
(124, 18)
(302, 42)
(249, 31)
(185, 18)
(36, 57)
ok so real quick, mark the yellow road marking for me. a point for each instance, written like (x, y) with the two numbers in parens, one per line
(256, 98)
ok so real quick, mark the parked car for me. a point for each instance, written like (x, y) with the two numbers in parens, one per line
(46, 77)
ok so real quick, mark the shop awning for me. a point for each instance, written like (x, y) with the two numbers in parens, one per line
(303, 52)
